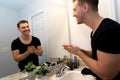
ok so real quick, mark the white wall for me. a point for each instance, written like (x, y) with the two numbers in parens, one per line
(107, 8)
(57, 29)
(117, 6)
(8, 32)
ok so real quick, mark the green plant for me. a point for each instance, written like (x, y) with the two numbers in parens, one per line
(29, 67)
(41, 70)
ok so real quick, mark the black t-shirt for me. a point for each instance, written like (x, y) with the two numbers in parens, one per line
(106, 38)
(17, 44)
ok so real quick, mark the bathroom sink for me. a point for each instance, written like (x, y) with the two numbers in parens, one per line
(74, 75)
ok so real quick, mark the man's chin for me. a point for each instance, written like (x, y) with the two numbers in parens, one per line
(26, 34)
(79, 23)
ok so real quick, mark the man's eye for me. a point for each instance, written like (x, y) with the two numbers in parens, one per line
(23, 27)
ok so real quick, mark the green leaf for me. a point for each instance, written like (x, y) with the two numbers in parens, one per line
(42, 70)
(29, 67)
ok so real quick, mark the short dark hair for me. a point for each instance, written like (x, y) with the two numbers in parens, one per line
(21, 21)
(92, 3)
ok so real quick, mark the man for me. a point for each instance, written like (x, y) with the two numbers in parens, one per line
(26, 48)
(104, 58)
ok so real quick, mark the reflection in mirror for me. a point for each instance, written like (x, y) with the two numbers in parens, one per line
(53, 34)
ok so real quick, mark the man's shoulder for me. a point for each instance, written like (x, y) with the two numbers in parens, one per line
(34, 37)
(109, 25)
(111, 22)
(16, 40)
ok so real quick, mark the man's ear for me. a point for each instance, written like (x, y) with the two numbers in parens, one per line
(85, 7)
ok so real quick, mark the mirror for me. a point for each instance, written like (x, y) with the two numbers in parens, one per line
(52, 29)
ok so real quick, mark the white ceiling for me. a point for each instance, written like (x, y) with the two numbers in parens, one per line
(19, 4)
(15, 4)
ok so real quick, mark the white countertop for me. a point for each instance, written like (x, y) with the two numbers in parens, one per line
(19, 75)
(15, 76)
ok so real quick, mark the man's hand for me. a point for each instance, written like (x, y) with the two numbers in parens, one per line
(37, 51)
(31, 49)
(72, 49)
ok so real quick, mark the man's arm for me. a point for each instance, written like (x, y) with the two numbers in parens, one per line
(76, 49)
(18, 57)
(88, 53)
(107, 66)
(38, 50)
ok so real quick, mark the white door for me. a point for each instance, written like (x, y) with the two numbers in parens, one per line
(38, 30)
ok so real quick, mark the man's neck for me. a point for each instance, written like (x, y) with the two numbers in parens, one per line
(27, 37)
(94, 21)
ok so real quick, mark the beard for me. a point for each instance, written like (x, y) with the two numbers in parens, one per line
(80, 20)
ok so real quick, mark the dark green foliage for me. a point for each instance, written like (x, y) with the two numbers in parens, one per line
(29, 67)
(42, 70)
